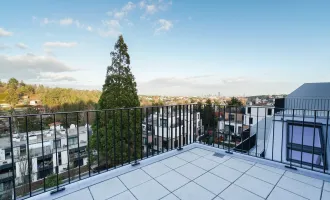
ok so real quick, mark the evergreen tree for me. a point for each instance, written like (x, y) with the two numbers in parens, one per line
(13, 96)
(113, 132)
(234, 102)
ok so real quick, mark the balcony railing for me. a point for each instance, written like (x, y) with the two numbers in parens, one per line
(114, 139)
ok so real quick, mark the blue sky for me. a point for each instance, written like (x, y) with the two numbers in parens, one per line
(186, 47)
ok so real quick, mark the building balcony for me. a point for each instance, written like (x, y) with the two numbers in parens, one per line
(275, 158)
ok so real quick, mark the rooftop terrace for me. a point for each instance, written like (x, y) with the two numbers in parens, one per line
(200, 172)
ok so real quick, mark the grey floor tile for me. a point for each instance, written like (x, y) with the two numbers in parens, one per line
(305, 179)
(254, 185)
(124, 196)
(201, 152)
(134, 178)
(170, 197)
(205, 163)
(192, 191)
(190, 171)
(281, 194)
(150, 190)
(300, 188)
(156, 169)
(107, 189)
(172, 180)
(188, 156)
(326, 186)
(234, 192)
(217, 198)
(272, 169)
(325, 195)
(238, 165)
(173, 162)
(226, 173)
(81, 195)
(212, 183)
(264, 175)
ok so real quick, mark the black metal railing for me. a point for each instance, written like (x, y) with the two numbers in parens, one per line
(70, 146)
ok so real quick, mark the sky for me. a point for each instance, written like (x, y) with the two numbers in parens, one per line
(186, 47)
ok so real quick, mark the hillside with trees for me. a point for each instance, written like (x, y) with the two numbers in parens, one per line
(15, 95)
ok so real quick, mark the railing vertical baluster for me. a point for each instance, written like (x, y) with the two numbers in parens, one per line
(88, 146)
(106, 139)
(204, 119)
(121, 138)
(236, 127)
(98, 142)
(283, 111)
(43, 153)
(257, 131)
(147, 132)
(167, 122)
(180, 133)
(187, 124)
(129, 136)
(67, 145)
(135, 149)
(28, 154)
(12, 155)
(313, 139)
(141, 129)
(302, 138)
(114, 138)
(194, 131)
(228, 150)
(56, 153)
(176, 126)
(184, 136)
(291, 138)
(190, 132)
(326, 144)
(172, 127)
(152, 131)
(242, 131)
(163, 129)
(224, 127)
(265, 131)
(77, 121)
(213, 125)
(157, 130)
(249, 133)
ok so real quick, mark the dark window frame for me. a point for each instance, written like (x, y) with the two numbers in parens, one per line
(269, 111)
(249, 110)
(306, 148)
(250, 120)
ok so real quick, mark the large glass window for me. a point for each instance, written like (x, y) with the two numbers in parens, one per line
(304, 144)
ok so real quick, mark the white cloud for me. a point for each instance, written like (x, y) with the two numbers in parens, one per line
(110, 32)
(3, 47)
(46, 21)
(164, 25)
(30, 66)
(151, 9)
(66, 21)
(60, 44)
(4, 33)
(123, 11)
(89, 28)
(112, 28)
(128, 7)
(51, 76)
(142, 4)
(21, 46)
(111, 23)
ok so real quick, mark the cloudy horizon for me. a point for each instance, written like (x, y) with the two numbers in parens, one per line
(187, 48)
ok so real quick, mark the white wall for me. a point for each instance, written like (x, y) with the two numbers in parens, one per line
(257, 113)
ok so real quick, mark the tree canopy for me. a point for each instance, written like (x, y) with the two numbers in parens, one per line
(114, 131)
(234, 102)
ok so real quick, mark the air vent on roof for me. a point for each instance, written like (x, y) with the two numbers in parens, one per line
(218, 155)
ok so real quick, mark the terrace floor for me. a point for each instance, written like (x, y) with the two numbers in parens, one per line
(200, 173)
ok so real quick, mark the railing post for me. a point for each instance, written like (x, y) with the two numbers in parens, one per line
(58, 189)
(180, 133)
(28, 154)
(326, 144)
(228, 150)
(157, 130)
(43, 153)
(106, 139)
(128, 136)
(67, 144)
(12, 155)
(135, 150)
(290, 167)
(147, 132)
(121, 138)
(77, 121)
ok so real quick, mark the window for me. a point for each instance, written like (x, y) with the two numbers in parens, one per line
(73, 141)
(232, 117)
(249, 110)
(57, 144)
(269, 112)
(250, 120)
(144, 140)
(300, 144)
